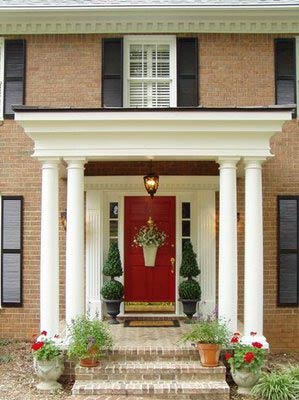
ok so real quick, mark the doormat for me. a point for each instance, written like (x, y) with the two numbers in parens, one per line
(170, 323)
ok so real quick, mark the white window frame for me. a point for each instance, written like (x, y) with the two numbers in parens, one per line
(2, 51)
(150, 39)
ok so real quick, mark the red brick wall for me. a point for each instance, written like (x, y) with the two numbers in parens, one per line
(64, 70)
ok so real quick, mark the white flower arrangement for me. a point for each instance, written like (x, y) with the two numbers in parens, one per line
(149, 235)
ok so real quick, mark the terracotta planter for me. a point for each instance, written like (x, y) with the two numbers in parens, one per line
(92, 359)
(149, 254)
(245, 379)
(48, 371)
(209, 354)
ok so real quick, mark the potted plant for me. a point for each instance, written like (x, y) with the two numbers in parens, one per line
(150, 239)
(246, 362)
(48, 361)
(189, 290)
(209, 336)
(88, 337)
(113, 291)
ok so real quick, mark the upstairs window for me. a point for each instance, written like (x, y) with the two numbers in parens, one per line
(285, 71)
(149, 72)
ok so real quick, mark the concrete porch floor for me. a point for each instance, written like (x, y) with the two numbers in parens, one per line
(143, 337)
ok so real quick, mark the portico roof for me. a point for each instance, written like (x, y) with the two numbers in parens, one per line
(130, 134)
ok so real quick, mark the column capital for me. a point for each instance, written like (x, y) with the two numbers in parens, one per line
(254, 162)
(228, 162)
(49, 162)
(75, 162)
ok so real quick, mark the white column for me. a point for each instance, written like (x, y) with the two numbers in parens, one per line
(75, 299)
(228, 271)
(49, 262)
(253, 285)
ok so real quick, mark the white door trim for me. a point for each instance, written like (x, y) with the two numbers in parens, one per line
(198, 190)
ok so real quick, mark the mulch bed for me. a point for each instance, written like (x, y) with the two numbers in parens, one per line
(17, 379)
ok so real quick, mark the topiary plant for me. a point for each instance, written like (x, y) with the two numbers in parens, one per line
(112, 266)
(189, 269)
(113, 290)
(190, 290)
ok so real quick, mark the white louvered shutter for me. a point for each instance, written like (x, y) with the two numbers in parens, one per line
(1, 77)
(149, 75)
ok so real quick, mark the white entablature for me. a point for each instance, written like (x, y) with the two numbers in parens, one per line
(133, 135)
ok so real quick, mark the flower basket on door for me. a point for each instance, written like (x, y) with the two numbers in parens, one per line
(150, 239)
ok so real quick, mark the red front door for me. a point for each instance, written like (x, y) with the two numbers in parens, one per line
(149, 284)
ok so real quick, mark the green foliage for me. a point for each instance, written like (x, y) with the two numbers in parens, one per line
(48, 351)
(210, 331)
(149, 235)
(5, 359)
(189, 266)
(4, 342)
(247, 356)
(112, 266)
(112, 290)
(87, 334)
(190, 289)
(278, 385)
(293, 370)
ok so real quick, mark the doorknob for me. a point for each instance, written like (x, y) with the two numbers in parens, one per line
(172, 261)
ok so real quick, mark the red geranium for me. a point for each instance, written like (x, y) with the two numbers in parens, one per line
(44, 333)
(252, 333)
(234, 339)
(37, 345)
(249, 357)
(257, 345)
(227, 356)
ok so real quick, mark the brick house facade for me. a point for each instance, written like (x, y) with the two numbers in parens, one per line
(64, 70)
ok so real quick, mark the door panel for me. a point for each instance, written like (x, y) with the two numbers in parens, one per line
(149, 284)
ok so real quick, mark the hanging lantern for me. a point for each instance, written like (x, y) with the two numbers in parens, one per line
(151, 183)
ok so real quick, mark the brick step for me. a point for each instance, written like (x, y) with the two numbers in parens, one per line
(213, 396)
(153, 389)
(151, 354)
(152, 370)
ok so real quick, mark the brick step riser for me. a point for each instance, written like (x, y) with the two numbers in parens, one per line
(160, 396)
(210, 396)
(152, 376)
(178, 396)
(153, 357)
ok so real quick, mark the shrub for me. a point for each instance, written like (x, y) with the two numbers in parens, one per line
(112, 290)
(189, 266)
(278, 385)
(210, 331)
(87, 333)
(190, 289)
(112, 266)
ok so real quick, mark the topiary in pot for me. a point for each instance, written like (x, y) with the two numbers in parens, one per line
(189, 290)
(113, 291)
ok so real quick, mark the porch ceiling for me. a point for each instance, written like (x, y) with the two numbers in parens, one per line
(171, 134)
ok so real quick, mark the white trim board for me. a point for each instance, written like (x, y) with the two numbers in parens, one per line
(149, 20)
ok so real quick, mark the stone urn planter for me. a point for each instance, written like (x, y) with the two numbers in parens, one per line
(113, 309)
(189, 308)
(150, 254)
(48, 371)
(245, 379)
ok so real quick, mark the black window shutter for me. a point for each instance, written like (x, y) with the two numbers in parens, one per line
(11, 251)
(288, 252)
(14, 75)
(187, 72)
(112, 73)
(285, 71)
